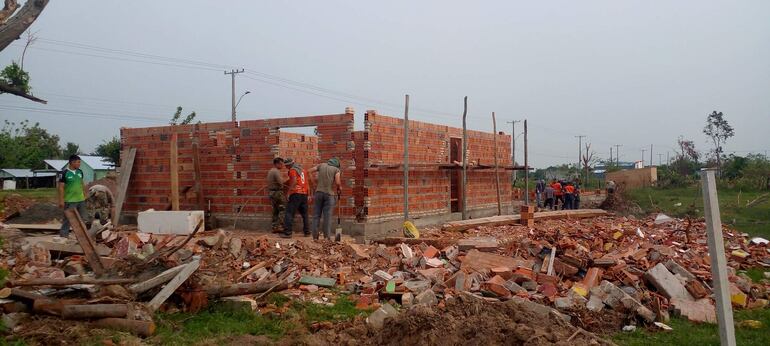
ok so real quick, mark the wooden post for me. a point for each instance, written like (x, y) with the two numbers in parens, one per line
(125, 176)
(718, 259)
(465, 160)
(159, 279)
(497, 175)
(406, 158)
(174, 164)
(526, 166)
(86, 242)
(201, 205)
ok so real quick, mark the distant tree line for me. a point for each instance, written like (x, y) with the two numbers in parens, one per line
(26, 145)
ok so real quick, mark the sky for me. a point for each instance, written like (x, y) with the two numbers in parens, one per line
(631, 73)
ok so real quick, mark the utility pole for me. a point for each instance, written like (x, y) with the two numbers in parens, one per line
(660, 159)
(617, 154)
(610, 162)
(668, 157)
(643, 150)
(513, 148)
(650, 154)
(580, 151)
(232, 74)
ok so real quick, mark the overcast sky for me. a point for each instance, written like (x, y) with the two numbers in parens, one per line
(633, 73)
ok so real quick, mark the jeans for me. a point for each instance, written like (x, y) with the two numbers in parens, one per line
(297, 202)
(568, 199)
(323, 206)
(64, 231)
(538, 198)
(549, 203)
(576, 202)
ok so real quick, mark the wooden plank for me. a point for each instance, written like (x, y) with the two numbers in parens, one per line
(86, 242)
(476, 260)
(171, 287)
(125, 176)
(174, 164)
(141, 328)
(487, 244)
(406, 159)
(159, 279)
(246, 288)
(497, 173)
(76, 312)
(513, 219)
(37, 227)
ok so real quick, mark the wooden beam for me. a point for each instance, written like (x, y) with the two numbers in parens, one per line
(86, 242)
(174, 164)
(171, 287)
(406, 159)
(38, 227)
(526, 166)
(125, 176)
(71, 280)
(162, 278)
(245, 288)
(497, 174)
(514, 219)
(198, 186)
(465, 161)
(141, 328)
(76, 312)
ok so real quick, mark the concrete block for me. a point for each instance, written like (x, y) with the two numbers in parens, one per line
(377, 318)
(667, 283)
(169, 222)
(427, 297)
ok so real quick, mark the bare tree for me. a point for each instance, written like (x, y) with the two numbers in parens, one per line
(13, 22)
(31, 38)
(589, 159)
(719, 131)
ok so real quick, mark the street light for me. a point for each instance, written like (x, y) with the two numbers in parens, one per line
(239, 99)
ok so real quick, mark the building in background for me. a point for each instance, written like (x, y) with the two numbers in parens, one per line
(93, 167)
(23, 178)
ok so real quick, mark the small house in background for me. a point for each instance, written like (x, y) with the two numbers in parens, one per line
(93, 167)
(22, 178)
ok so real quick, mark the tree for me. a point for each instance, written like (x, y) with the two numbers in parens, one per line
(588, 159)
(69, 150)
(13, 22)
(24, 146)
(178, 114)
(719, 131)
(110, 150)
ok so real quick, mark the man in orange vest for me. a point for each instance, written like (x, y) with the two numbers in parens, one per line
(297, 189)
(569, 196)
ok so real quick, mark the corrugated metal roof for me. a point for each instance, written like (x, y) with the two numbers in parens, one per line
(95, 162)
(25, 173)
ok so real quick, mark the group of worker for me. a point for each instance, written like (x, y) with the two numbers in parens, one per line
(291, 196)
(559, 194)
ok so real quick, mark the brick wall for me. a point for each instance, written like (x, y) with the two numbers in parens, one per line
(235, 159)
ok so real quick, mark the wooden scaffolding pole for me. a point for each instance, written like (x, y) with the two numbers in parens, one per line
(406, 158)
(465, 160)
(497, 174)
(526, 166)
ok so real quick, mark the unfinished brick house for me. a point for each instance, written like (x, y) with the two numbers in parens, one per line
(233, 160)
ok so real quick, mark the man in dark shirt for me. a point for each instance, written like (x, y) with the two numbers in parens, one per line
(275, 190)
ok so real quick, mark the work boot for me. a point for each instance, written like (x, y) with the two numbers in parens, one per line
(285, 235)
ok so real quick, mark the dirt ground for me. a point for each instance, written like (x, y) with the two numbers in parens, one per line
(466, 321)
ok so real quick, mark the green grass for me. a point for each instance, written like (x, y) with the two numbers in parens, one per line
(217, 324)
(186, 329)
(732, 206)
(686, 333)
(40, 195)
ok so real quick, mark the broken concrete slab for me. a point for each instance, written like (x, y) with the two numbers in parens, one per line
(169, 222)
(697, 311)
(616, 298)
(377, 318)
(426, 297)
(677, 269)
(667, 283)
(318, 281)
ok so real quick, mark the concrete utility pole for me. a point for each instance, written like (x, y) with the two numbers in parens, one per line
(650, 154)
(660, 159)
(668, 157)
(580, 151)
(406, 158)
(465, 160)
(617, 154)
(232, 74)
(610, 155)
(643, 150)
(513, 148)
(718, 259)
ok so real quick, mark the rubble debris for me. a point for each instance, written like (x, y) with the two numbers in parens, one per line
(666, 283)
(513, 219)
(141, 328)
(377, 318)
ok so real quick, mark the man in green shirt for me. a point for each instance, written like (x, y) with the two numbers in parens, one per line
(71, 192)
